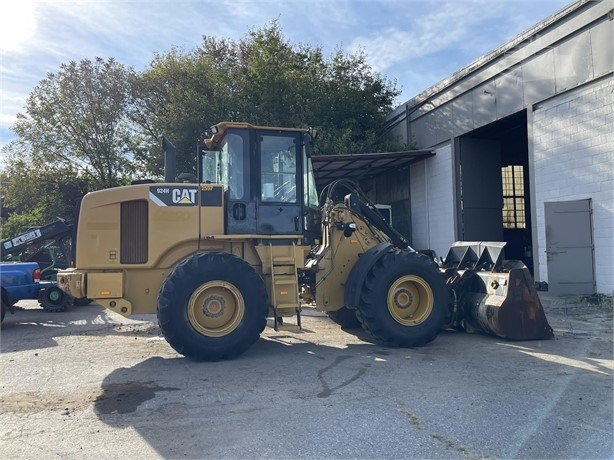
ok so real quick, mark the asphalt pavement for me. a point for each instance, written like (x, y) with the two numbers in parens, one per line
(89, 383)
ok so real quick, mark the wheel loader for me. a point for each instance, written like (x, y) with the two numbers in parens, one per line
(252, 239)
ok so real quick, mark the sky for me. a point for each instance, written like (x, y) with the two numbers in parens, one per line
(415, 43)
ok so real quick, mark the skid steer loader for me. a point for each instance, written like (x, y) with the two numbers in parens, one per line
(214, 259)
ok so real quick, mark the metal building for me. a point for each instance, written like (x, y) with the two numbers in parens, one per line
(524, 152)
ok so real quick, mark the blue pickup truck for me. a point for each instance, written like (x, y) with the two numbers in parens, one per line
(21, 280)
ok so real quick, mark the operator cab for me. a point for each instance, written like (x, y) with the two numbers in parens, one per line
(268, 179)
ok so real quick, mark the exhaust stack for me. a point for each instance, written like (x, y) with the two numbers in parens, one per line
(170, 160)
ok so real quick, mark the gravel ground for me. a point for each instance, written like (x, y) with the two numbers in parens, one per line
(88, 382)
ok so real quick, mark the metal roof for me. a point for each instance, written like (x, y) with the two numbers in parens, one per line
(503, 51)
(328, 168)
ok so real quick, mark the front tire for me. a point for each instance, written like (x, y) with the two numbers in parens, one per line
(345, 317)
(212, 306)
(82, 302)
(404, 300)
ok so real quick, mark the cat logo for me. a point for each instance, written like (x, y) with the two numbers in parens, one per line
(174, 196)
(184, 196)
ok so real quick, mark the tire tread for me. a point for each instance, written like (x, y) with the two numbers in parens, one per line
(374, 315)
(176, 291)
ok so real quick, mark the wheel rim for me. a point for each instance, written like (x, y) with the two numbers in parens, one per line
(410, 300)
(216, 308)
(54, 296)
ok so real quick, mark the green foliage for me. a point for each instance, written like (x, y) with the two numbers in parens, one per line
(170, 98)
(37, 193)
(265, 80)
(77, 118)
(18, 223)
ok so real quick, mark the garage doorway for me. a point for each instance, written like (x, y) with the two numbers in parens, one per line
(492, 186)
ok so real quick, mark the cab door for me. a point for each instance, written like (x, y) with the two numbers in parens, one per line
(280, 195)
(236, 175)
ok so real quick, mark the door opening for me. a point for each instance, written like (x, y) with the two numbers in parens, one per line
(492, 167)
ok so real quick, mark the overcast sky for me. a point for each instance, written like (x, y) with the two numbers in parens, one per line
(413, 42)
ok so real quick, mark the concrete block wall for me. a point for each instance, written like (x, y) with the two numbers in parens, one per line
(432, 202)
(573, 152)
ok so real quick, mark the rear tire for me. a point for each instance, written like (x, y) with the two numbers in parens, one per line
(212, 306)
(3, 311)
(54, 300)
(345, 317)
(404, 300)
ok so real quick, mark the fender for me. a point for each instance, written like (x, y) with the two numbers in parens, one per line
(359, 272)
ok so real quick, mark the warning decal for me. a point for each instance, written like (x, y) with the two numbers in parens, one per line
(174, 196)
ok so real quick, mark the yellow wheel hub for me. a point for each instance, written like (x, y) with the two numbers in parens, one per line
(410, 300)
(216, 308)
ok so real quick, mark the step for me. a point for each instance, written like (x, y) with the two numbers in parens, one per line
(282, 260)
(284, 270)
(287, 306)
(284, 279)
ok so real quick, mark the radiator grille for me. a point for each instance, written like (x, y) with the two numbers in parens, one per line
(134, 240)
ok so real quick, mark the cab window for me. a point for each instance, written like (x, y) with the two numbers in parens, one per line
(233, 165)
(311, 194)
(278, 168)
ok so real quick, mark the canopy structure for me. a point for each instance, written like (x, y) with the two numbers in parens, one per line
(357, 167)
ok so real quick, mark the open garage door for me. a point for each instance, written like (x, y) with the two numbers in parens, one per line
(493, 186)
(481, 195)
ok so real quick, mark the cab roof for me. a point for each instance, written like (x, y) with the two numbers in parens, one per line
(220, 129)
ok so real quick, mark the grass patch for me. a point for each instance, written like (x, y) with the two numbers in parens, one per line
(591, 306)
(601, 301)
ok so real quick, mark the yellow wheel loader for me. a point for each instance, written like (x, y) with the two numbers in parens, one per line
(249, 239)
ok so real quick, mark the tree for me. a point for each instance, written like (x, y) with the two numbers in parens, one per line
(77, 118)
(93, 124)
(265, 80)
(171, 99)
(37, 193)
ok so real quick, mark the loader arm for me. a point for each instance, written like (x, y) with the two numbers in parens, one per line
(362, 207)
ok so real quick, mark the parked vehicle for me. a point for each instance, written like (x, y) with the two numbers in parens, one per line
(18, 281)
(22, 280)
(48, 247)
